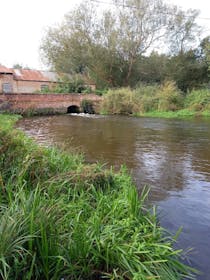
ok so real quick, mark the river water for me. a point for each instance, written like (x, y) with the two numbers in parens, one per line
(172, 156)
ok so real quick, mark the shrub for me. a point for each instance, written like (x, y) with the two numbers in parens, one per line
(120, 101)
(169, 97)
(147, 90)
(101, 92)
(198, 100)
(75, 84)
(87, 106)
(147, 98)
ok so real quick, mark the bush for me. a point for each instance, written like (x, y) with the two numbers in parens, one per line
(143, 99)
(87, 106)
(101, 92)
(198, 100)
(169, 97)
(75, 84)
(120, 101)
(147, 98)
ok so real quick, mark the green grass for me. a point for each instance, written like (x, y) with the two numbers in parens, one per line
(206, 113)
(61, 218)
(8, 121)
(184, 113)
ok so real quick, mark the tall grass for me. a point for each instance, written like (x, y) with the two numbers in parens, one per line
(198, 100)
(120, 101)
(164, 100)
(62, 219)
(166, 97)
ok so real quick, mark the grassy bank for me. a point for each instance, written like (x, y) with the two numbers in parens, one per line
(184, 113)
(157, 101)
(63, 219)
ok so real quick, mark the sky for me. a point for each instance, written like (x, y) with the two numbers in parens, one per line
(23, 24)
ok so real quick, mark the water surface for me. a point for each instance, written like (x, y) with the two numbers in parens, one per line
(172, 156)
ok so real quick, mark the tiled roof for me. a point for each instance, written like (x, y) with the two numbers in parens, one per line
(35, 75)
(39, 76)
(4, 69)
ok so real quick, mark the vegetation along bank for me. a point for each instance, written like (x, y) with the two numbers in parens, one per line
(164, 100)
(63, 219)
(135, 46)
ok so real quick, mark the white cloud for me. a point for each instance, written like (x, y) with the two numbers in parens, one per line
(22, 27)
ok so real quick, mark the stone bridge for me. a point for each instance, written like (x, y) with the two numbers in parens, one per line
(48, 103)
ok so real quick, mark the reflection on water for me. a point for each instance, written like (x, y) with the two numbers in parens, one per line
(173, 156)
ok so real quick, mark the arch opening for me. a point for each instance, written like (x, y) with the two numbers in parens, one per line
(73, 109)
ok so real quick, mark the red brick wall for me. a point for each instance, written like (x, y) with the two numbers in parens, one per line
(59, 102)
(19, 86)
(30, 86)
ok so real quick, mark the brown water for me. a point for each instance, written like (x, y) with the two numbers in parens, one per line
(173, 156)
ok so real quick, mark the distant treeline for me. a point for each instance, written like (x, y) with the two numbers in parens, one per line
(140, 42)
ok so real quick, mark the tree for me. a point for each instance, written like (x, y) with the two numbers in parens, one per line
(205, 51)
(20, 66)
(188, 70)
(183, 30)
(152, 69)
(17, 66)
(108, 45)
(141, 25)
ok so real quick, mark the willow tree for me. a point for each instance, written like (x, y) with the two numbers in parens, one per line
(107, 45)
(183, 31)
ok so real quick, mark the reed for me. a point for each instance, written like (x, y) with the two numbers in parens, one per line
(63, 219)
(164, 100)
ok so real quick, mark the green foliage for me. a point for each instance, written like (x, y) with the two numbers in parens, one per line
(101, 92)
(205, 52)
(74, 85)
(198, 100)
(120, 101)
(60, 218)
(188, 70)
(152, 68)
(45, 89)
(110, 45)
(87, 106)
(147, 97)
(143, 99)
(184, 113)
(169, 97)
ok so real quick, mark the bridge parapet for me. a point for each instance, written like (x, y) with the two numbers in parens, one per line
(48, 103)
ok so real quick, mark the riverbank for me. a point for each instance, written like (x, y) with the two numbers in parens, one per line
(184, 113)
(164, 101)
(61, 218)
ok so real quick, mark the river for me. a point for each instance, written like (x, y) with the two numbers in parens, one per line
(172, 156)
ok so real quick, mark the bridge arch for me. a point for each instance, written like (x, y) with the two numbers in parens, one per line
(73, 109)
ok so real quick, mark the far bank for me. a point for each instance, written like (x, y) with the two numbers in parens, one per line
(164, 100)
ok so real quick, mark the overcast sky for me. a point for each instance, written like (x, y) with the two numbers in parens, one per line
(23, 22)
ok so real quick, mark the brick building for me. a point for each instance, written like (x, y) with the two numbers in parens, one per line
(29, 81)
